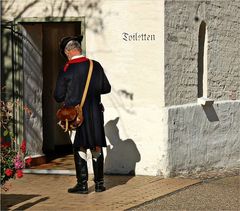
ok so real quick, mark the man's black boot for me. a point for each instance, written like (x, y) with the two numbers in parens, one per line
(79, 188)
(98, 173)
(82, 175)
(99, 186)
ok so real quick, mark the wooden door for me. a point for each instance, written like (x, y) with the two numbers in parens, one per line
(53, 136)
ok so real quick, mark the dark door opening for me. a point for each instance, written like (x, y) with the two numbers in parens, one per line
(55, 141)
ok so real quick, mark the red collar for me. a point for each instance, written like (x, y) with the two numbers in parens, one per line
(73, 61)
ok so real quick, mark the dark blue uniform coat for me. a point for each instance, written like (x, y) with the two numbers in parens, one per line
(69, 89)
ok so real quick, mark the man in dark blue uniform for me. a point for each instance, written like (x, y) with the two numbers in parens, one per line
(90, 135)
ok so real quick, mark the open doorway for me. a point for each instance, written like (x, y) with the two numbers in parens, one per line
(41, 64)
(54, 139)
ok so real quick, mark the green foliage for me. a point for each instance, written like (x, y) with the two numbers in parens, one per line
(7, 162)
(5, 133)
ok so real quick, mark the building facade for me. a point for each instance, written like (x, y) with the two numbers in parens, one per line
(174, 67)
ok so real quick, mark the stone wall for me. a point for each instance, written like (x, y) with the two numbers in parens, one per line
(203, 138)
(182, 22)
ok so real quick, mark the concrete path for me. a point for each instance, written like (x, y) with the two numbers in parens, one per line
(214, 194)
(49, 192)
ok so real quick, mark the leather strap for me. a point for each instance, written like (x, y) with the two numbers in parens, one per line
(87, 83)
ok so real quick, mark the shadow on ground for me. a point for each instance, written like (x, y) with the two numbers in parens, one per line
(112, 181)
(10, 200)
(116, 180)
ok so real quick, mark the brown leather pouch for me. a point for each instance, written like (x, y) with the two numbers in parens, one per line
(70, 117)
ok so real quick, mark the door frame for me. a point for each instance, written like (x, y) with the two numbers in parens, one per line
(56, 20)
(19, 75)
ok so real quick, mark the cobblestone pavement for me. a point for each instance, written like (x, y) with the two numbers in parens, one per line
(49, 192)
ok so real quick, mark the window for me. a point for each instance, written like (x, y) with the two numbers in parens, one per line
(202, 60)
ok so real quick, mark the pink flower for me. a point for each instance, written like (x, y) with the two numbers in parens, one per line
(19, 173)
(18, 163)
(23, 146)
(8, 172)
(28, 161)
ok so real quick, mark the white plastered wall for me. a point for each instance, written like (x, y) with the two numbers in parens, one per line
(136, 129)
(135, 118)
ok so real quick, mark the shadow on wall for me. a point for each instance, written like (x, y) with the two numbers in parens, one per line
(210, 113)
(123, 155)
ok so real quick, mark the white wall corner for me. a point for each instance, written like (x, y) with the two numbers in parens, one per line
(164, 169)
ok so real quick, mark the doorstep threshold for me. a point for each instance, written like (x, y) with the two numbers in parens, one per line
(49, 171)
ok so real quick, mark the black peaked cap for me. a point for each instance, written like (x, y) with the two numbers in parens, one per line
(65, 40)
